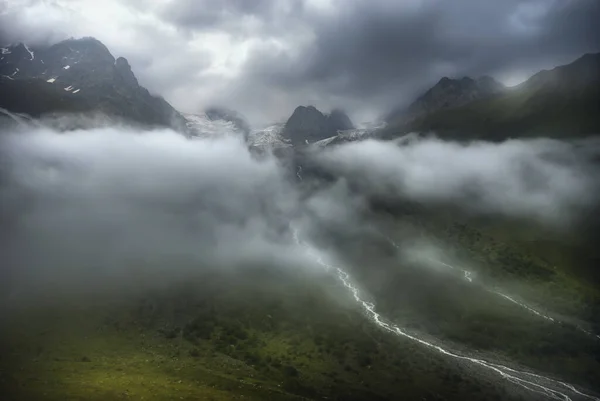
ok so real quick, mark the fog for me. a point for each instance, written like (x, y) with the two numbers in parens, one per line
(87, 205)
(549, 180)
(104, 206)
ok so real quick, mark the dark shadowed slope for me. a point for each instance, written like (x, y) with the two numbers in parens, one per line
(564, 101)
(308, 125)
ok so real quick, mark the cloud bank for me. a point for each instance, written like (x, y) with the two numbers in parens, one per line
(548, 180)
(86, 205)
(107, 204)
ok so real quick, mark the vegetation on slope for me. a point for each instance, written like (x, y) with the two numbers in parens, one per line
(262, 335)
(563, 102)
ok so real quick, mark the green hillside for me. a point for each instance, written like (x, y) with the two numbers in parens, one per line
(563, 102)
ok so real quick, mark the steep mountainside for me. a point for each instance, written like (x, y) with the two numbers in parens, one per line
(78, 75)
(563, 101)
(307, 125)
(449, 93)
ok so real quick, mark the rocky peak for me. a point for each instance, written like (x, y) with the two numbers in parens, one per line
(448, 93)
(308, 125)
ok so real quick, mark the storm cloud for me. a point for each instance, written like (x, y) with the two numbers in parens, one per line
(264, 58)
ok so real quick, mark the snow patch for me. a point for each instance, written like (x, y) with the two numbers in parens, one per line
(66, 67)
(203, 126)
(269, 138)
(51, 80)
(29, 51)
(77, 90)
(11, 78)
(15, 73)
(69, 88)
(5, 50)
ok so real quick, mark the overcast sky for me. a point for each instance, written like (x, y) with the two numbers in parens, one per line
(265, 57)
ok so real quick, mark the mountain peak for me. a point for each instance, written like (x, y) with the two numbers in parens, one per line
(307, 124)
(448, 93)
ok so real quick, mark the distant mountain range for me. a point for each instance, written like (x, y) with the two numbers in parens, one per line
(564, 101)
(81, 75)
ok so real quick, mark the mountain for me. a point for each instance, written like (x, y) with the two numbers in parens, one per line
(559, 102)
(307, 125)
(339, 121)
(449, 93)
(78, 75)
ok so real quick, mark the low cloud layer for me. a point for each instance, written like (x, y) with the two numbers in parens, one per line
(264, 58)
(87, 204)
(549, 180)
(102, 205)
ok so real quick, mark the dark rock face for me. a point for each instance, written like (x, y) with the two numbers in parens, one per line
(339, 121)
(78, 75)
(124, 74)
(307, 125)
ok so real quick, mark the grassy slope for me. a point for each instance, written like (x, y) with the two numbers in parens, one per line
(518, 113)
(522, 259)
(284, 335)
(288, 338)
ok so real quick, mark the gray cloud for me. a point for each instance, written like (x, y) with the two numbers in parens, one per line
(97, 208)
(264, 58)
(548, 180)
(92, 205)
